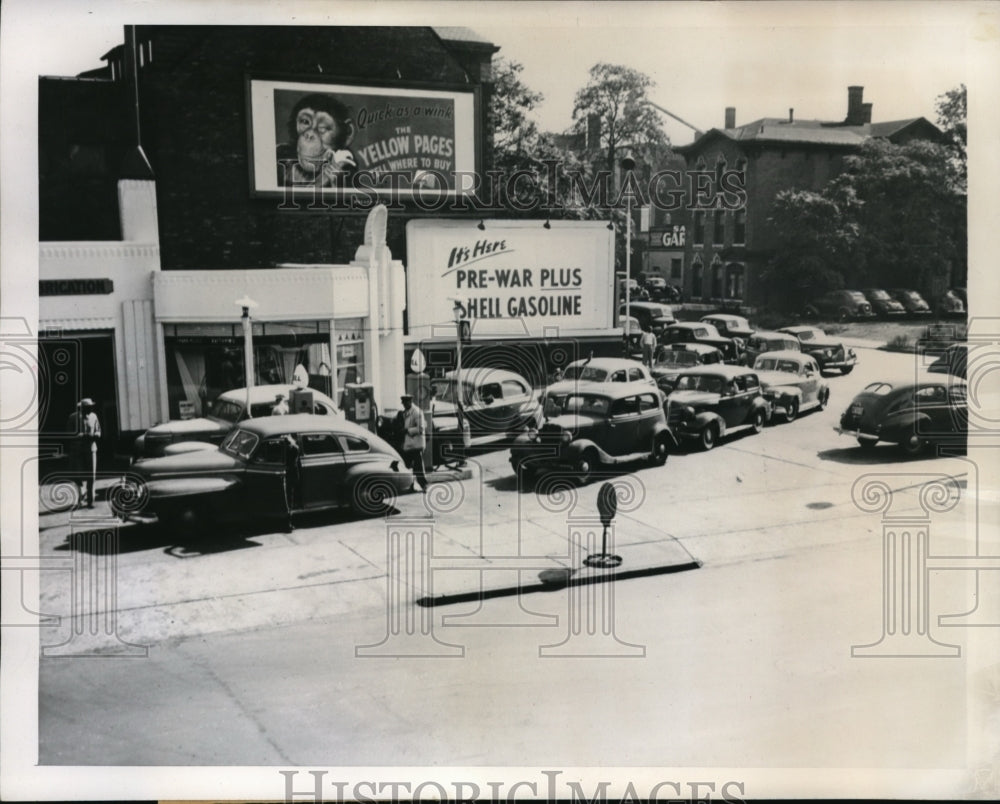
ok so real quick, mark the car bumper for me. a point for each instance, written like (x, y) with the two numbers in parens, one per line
(855, 433)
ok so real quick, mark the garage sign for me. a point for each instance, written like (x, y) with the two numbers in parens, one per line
(511, 278)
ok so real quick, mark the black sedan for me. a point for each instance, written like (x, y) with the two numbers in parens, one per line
(341, 464)
(914, 413)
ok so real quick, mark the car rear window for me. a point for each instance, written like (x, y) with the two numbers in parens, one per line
(878, 388)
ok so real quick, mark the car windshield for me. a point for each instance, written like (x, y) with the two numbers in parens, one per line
(586, 404)
(766, 364)
(588, 373)
(700, 382)
(806, 334)
(444, 391)
(881, 295)
(240, 443)
(669, 358)
(227, 410)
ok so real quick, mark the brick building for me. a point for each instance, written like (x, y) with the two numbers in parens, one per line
(725, 249)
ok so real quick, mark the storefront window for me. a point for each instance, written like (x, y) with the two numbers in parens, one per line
(204, 360)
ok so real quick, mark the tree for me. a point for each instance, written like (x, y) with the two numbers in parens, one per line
(951, 112)
(817, 236)
(616, 97)
(514, 132)
(889, 220)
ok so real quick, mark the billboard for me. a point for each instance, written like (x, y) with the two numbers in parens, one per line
(511, 278)
(354, 138)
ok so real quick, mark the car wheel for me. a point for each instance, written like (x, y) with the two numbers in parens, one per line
(709, 435)
(584, 467)
(846, 370)
(524, 469)
(867, 444)
(372, 495)
(913, 444)
(661, 449)
(758, 420)
(791, 410)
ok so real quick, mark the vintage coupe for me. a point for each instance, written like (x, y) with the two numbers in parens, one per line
(342, 464)
(792, 382)
(651, 315)
(595, 371)
(228, 409)
(914, 303)
(883, 304)
(496, 403)
(711, 402)
(841, 305)
(914, 412)
(597, 425)
(829, 352)
(700, 332)
(763, 341)
(730, 326)
(672, 360)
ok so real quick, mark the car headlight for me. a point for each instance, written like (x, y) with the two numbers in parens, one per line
(687, 413)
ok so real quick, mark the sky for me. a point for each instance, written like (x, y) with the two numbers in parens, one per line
(760, 58)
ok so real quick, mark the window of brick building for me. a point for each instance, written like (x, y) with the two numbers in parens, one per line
(699, 227)
(740, 226)
(719, 234)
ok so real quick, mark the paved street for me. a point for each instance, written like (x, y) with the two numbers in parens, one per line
(743, 661)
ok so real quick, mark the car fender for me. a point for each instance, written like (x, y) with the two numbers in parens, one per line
(662, 428)
(579, 446)
(903, 425)
(787, 393)
(705, 418)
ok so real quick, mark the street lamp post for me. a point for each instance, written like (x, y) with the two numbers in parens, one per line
(628, 165)
(458, 313)
(247, 304)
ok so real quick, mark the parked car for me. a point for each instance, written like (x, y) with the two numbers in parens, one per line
(596, 371)
(651, 315)
(914, 413)
(342, 464)
(597, 426)
(224, 413)
(699, 332)
(883, 304)
(761, 342)
(497, 404)
(953, 360)
(671, 360)
(709, 403)
(792, 383)
(950, 305)
(828, 352)
(730, 326)
(841, 305)
(912, 301)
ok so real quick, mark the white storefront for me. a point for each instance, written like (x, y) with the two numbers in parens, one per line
(141, 341)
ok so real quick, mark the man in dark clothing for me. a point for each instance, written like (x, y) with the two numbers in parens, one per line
(85, 428)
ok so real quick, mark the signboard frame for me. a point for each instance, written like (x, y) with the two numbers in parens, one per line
(270, 99)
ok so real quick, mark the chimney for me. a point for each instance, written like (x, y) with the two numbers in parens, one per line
(791, 115)
(593, 131)
(866, 112)
(730, 117)
(855, 112)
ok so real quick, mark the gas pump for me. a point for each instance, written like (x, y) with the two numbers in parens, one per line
(358, 404)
